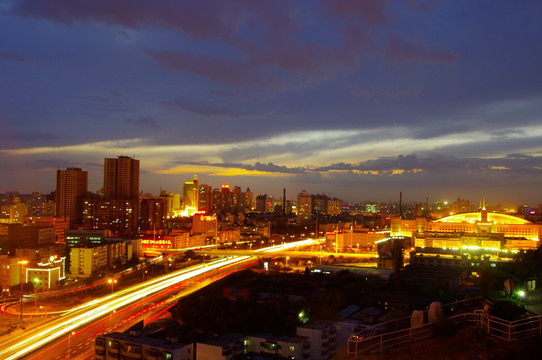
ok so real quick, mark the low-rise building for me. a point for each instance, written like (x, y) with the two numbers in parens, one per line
(323, 339)
(9, 272)
(285, 347)
(157, 341)
(86, 260)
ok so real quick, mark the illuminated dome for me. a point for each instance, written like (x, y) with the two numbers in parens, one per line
(472, 217)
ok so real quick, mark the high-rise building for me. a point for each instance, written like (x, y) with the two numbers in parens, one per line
(119, 216)
(225, 199)
(248, 200)
(204, 198)
(71, 188)
(319, 204)
(216, 201)
(261, 203)
(190, 193)
(121, 178)
(304, 206)
(334, 207)
(153, 213)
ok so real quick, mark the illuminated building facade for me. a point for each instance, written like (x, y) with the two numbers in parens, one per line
(173, 203)
(319, 204)
(16, 211)
(216, 201)
(71, 188)
(204, 198)
(466, 241)
(153, 214)
(334, 207)
(17, 236)
(229, 236)
(120, 216)
(248, 200)
(304, 206)
(204, 224)
(225, 199)
(143, 343)
(9, 272)
(481, 222)
(47, 274)
(87, 260)
(41, 205)
(59, 223)
(190, 193)
(84, 237)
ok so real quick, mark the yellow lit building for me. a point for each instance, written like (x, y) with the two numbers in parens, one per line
(483, 222)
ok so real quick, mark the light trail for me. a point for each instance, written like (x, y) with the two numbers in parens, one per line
(98, 308)
(286, 246)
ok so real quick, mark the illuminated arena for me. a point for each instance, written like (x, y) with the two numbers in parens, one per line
(520, 232)
(473, 217)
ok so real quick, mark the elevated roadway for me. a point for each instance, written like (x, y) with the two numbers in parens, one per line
(62, 337)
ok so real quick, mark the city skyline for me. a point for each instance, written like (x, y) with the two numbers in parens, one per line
(358, 100)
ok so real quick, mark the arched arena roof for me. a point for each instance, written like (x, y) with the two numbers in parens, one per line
(472, 217)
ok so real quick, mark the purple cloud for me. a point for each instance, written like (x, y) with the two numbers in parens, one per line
(204, 108)
(8, 56)
(146, 122)
(370, 11)
(397, 50)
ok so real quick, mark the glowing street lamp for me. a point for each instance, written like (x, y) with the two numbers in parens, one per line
(144, 272)
(23, 263)
(112, 282)
(110, 316)
(70, 339)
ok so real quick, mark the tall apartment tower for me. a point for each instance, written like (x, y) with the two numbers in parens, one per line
(121, 178)
(71, 188)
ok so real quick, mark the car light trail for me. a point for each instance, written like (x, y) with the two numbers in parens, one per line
(98, 308)
(291, 245)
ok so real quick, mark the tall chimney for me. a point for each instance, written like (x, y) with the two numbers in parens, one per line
(284, 201)
(401, 204)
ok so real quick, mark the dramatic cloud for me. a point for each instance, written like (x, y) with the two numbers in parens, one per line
(390, 92)
(146, 122)
(372, 12)
(350, 97)
(206, 109)
(214, 68)
(399, 51)
(12, 57)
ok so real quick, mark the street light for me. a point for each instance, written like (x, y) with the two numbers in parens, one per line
(110, 315)
(70, 339)
(112, 282)
(144, 272)
(23, 263)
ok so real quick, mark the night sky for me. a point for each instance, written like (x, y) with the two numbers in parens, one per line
(356, 99)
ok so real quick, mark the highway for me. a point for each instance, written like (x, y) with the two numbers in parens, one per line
(71, 335)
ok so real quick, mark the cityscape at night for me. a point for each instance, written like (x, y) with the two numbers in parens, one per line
(322, 180)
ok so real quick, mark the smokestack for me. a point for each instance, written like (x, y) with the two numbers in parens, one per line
(401, 204)
(284, 201)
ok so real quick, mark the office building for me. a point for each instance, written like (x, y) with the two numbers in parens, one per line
(190, 193)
